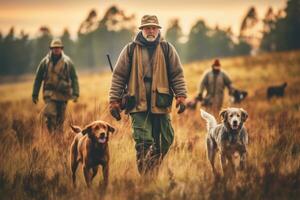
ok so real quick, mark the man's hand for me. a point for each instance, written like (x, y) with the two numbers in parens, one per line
(115, 110)
(75, 99)
(35, 99)
(199, 97)
(180, 102)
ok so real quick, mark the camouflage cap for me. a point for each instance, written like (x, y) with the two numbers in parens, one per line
(56, 43)
(149, 20)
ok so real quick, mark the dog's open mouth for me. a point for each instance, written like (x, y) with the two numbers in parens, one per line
(235, 126)
(102, 140)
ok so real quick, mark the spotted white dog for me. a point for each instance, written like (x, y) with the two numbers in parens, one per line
(228, 137)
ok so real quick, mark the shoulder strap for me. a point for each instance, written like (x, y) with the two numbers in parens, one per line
(166, 50)
(130, 54)
(131, 47)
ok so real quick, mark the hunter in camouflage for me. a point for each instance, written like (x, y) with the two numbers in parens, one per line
(60, 84)
(214, 83)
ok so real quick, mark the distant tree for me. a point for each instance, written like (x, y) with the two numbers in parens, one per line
(111, 33)
(41, 45)
(284, 32)
(15, 51)
(85, 54)
(89, 24)
(7, 56)
(69, 45)
(1, 46)
(269, 20)
(250, 29)
(221, 43)
(173, 35)
(174, 32)
(269, 24)
(23, 58)
(291, 23)
(116, 19)
(198, 42)
(249, 21)
(115, 30)
(242, 47)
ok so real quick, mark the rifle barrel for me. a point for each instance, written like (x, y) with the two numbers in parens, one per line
(109, 61)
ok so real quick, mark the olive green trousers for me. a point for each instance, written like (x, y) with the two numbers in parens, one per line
(153, 135)
(54, 114)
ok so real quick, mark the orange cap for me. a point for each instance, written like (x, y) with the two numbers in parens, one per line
(217, 63)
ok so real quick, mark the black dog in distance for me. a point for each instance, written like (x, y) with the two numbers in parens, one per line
(238, 96)
(276, 91)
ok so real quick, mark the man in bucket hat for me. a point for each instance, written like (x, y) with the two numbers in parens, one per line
(60, 84)
(214, 82)
(150, 69)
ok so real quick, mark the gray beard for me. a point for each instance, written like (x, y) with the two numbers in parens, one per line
(150, 39)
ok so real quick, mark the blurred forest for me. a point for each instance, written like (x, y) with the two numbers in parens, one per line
(96, 37)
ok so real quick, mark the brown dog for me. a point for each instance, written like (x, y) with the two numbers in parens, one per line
(90, 147)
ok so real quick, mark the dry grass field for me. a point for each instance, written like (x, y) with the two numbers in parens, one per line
(35, 165)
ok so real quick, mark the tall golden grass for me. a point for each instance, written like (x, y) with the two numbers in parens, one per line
(35, 165)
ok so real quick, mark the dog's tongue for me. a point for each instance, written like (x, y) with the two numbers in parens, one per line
(102, 140)
(234, 127)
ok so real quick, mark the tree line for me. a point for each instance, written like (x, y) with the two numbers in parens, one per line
(96, 38)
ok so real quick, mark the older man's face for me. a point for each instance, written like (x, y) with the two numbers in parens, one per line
(56, 50)
(150, 33)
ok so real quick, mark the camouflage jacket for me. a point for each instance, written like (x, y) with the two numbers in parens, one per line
(60, 81)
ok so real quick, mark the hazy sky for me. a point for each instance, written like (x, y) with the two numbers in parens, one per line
(29, 15)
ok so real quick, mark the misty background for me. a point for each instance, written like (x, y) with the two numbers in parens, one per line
(98, 36)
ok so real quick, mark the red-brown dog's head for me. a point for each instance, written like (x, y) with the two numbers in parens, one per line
(97, 131)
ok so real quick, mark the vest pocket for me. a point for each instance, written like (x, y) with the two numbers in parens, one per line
(163, 98)
(64, 87)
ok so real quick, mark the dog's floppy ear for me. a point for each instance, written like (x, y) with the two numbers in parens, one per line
(244, 115)
(223, 115)
(76, 129)
(87, 130)
(110, 128)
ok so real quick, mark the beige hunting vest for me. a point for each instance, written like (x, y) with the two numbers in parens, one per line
(57, 82)
(156, 69)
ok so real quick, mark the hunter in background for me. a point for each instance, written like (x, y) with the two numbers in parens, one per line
(60, 84)
(214, 83)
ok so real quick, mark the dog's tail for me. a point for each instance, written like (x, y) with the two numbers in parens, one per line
(211, 121)
(76, 129)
